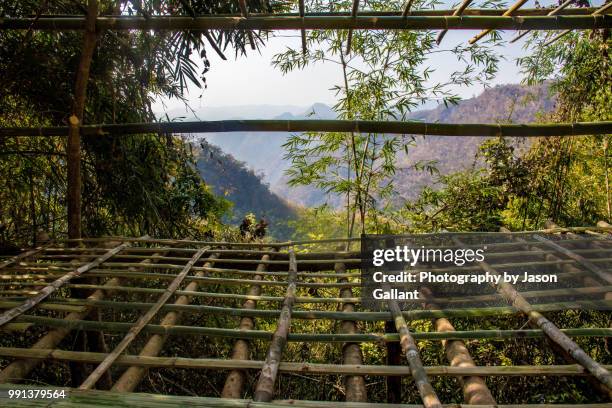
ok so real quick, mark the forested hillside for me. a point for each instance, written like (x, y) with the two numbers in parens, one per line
(248, 192)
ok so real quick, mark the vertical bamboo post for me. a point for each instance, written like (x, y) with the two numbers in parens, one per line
(234, 383)
(394, 354)
(73, 148)
(133, 375)
(355, 388)
(264, 391)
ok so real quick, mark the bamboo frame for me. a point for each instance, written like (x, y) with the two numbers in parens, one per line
(359, 126)
(515, 299)
(600, 11)
(55, 285)
(139, 325)
(553, 12)
(458, 11)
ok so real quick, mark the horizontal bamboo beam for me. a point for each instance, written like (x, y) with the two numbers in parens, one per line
(359, 126)
(120, 327)
(289, 367)
(410, 22)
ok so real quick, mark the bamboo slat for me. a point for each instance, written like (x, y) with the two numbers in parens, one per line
(264, 391)
(56, 284)
(359, 126)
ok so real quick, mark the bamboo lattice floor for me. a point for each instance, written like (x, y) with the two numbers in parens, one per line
(268, 300)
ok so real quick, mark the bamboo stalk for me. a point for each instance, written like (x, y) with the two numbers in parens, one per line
(508, 12)
(139, 325)
(475, 391)
(133, 375)
(287, 367)
(411, 351)
(459, 11)
(515, 299)
(355, 387)
(24, 255)
(235, 380)
(264, 391)
(410, 22)
(553, 12)
(56, 284)
(578, 258)
(354, 11)
(309, 125)
(600, 11)
(302, 10)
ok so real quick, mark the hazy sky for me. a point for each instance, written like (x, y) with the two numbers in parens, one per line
(251, 79)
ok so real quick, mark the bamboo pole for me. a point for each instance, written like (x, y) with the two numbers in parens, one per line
(600, 11)
(19, 369)
(553, 12)
(320, 125)
(302, 10)
(24, 255)
(73, 148)
(133, 375)
(590, 266)
(411, 351)
(508, 12)
(475, 391)
(264, 391)
(140, 323)
(355, 387)
(349, 39)
(56, 284)
(235, 380)
(116, 327)
(514, 298)
(459, 11)
(410, 22)
(288, 367)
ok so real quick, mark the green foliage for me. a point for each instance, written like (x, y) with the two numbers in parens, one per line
(384, 77)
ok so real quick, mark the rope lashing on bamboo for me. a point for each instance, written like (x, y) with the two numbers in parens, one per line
(130, 379)
(515, 299)
(355, 386)
(56, 284)
(321, 125)
(140, 324)
(264, 390)
(235, 380)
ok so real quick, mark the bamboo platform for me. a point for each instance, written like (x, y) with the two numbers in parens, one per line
(143, 292)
